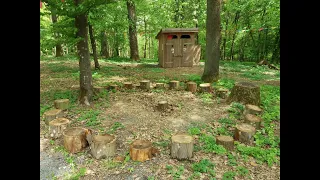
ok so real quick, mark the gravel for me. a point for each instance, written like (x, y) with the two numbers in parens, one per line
(52, 165)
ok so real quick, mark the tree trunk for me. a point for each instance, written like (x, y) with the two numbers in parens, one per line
(141, 150)
(134, 51)
(211, 68)
(145, 38)
(86, 91)
(246, 93)
(75, 139)
(52, 114)
(102, 146)
(62, 104)
(259, 35)
(94, 47)
(182, 146)
(104, 45)
(59, 50)
(57, 126)
(236, 18)
(276, 50)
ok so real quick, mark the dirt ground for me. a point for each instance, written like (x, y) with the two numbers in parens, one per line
(137, 112)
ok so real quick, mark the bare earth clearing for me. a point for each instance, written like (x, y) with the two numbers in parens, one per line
(135, 110)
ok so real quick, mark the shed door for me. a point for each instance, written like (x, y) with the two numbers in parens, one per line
(187, 51)
(168, 61)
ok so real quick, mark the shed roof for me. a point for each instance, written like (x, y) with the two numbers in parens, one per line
(174, 30)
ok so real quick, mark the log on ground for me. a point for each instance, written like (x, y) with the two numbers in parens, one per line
(57, 126)
(253, 120)
(52, 114)
(141, 150)
(244, 133)
(75, 139)
(252, 109)
(62, 104)
(246, 93)
(226, 141)
(192, 87)
(181, 146)
(173, 84)
(102, 146)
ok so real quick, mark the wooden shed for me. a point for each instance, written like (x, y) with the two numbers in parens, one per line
(178, 48)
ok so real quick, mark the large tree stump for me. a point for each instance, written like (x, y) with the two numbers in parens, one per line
(252, 109)
(192, 87)
(162, 105)
(128, 85)
(160, 85)
(246, 93)
(145, 84)
(102, 146)
(181, 146)
(57, 126)
(173, 84)
(61, 104)
(75, 139)
(52, 114)
(205, 87)
(226, 141)
(141, 150)
(222, 93)
(254, 120)
(244, 133)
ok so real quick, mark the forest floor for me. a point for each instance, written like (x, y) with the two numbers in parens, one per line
(131, 115)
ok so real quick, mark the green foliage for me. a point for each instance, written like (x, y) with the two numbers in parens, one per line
(163, 143)
(229, 175)
(263, 155)
(91, 117)
(231, 160)
(176, 173)
(225, 82)
(242, 171)
(115, 127)
(209, 145)
(67, 94)
(223, 131)
(194, 78)
(206, 98)
(227, 121)
(204, 166)
(76, 176)
(194, 131)
(44, 108)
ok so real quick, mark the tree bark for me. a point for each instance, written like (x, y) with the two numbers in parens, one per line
(141, 150)
(246, 93)
(145, 38)
(211, 68)
(86, 91)
(134, 51)
(182, 146)
(59, 50)
(104, 45)
(75, 139)
(94, 47)
(276, 51)
(226, 141)
(57, 126)
(102, 146)
(192, 87)
(244, 133)
(62, 104)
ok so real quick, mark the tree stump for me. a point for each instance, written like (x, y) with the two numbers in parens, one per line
(246, 93)
(145, 84)
(173, 84)
(128, 85)
(205, 87)
(192, 87)
(253, 120)
(160, 85)
(52, 114)
(181, 146)
(57, 126)
(61, 104)
(75, 139)
(222, 93)
(226, 141)
(102, 146)
(98, 89)
(252, 109)
(162, 105)
(244, 133)
(136, 86)
(141, 150)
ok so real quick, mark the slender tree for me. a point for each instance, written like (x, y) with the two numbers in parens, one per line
(94, 47)
(211, 68)
(59, 50)
(134, 51)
